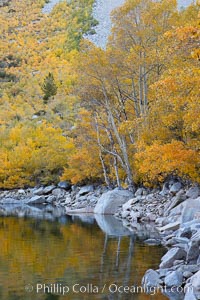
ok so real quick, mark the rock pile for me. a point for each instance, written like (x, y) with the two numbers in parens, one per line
(179, 270)
(176, 213)
(71, 198)
(162, 207)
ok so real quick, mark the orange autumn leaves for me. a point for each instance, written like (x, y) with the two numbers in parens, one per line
(126, 114)
(143, 93)
(157, 161)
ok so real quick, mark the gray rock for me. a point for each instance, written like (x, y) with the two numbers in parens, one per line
(169, 236)
(135, 215)
(36, 200)
(182, 246)
(180, 197)
(128, 205)
(48, 189)
(152, 242)
(81, 198)
(185, 232)
(163, 273)
(171, 226)
(64, 185)
(175, 278)
(139, 192)
(175, 188)
(191, 268)
(193, 192)
(75, 188)
(21, 192)
(181, 240)
(191, 210)
(187, 274)
(58, 192)
(159, 221)
(193, 224)
(172, 255)
(35, 117)
(171, 182)
(190, 295)
(178, 262)
(143, 219)
(151, 279)
(177, 210)
(126, 224)
(151, 216)
(193, 251)
(86, 189)
(196, 236)
(51, 199)
(174, 293)
(61, 201)
(83, 204)
(170, 242)
(165, 189)
(125, 213)
(92, 200)
(68, 200)
(110, 202)
(38, 191)
(198, 260)
(196, 226)
(145, 192)
(194, 284)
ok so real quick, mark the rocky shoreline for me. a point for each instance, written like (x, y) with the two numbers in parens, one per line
(174, 211)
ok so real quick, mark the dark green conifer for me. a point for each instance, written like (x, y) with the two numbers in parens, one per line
(49, 87)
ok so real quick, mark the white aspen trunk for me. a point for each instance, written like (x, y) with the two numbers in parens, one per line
(107, 180)
(122, 144)
(116, 171)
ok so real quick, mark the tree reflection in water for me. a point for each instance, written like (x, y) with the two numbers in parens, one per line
(70, 252)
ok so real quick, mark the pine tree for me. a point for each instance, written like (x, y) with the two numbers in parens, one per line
(49, 87)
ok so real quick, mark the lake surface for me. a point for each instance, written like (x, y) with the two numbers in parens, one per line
(72, 253)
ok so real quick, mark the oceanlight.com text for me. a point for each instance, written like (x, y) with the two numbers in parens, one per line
(113, 288)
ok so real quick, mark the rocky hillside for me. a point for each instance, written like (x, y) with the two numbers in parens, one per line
(4, 2)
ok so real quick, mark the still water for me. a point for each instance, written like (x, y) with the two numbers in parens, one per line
(72, 251)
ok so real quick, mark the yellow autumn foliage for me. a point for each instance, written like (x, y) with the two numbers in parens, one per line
(127, 112)
(83, 163)
(32, 155)
(156, 162)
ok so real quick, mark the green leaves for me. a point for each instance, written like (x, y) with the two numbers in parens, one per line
(80, 23)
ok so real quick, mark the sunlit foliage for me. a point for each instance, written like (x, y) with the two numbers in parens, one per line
(128, 114)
